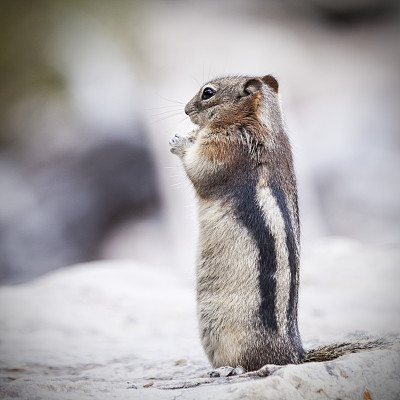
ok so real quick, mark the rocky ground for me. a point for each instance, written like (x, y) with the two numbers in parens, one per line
(123, 330)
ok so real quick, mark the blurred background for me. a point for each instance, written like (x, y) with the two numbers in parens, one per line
(91, 92)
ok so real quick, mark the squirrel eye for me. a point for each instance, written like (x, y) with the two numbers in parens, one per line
(207, 93)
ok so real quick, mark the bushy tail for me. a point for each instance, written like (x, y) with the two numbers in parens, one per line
(327, 352)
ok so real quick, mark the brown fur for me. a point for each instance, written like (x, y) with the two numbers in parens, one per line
(241, 150)
(241, 166)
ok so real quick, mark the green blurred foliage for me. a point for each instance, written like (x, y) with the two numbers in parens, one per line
(27, 68)
(24, 64)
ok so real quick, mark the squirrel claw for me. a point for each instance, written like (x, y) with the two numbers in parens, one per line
(178, 144)
(226, 371)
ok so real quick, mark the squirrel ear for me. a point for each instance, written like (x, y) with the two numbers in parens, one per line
(252, 85)
(271, 82)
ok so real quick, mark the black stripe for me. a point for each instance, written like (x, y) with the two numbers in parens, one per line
(293, 259)
(251, 216)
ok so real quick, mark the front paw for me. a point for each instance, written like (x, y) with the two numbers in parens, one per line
(179, 144)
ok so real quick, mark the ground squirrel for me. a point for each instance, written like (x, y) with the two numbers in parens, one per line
(240, 163)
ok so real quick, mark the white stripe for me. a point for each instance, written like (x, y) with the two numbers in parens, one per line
(276, 224)
(295, 225)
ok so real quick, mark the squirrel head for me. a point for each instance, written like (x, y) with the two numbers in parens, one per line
(228, 101)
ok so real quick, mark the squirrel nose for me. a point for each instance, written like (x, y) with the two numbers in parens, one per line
(187, 110)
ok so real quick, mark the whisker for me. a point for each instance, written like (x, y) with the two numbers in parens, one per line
(209, 72)
(162, 107)
(168, 116)
(182, 120)
(196, 80)
(178, 184)
(168, 112)
(172, 101)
